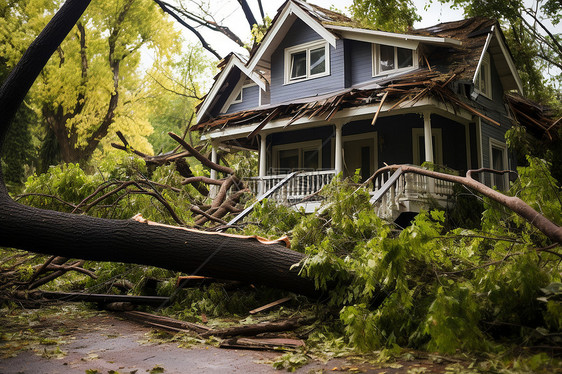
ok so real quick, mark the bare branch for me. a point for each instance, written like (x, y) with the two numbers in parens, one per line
(204, 160)
(165, 8)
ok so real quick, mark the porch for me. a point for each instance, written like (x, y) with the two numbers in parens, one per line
(393, 193)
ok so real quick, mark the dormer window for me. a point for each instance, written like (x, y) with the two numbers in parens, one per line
(307, 61)
(483, 80)
(389, 59)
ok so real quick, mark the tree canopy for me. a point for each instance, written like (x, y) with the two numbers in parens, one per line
(93, 82)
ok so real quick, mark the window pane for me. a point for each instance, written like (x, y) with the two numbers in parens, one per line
(484, 79)
(298, 65)
(310, 159)
(239, 96)
(289, 159)
(477, 81)
(404, 58)
(386, 58)
(317, 61)
(498, 164)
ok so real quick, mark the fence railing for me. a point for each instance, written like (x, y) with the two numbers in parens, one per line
(297, 188)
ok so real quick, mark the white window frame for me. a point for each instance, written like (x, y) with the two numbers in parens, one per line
(239, 97)
(237, 91)
(417, 133)
(301, 146)
(486, 69)
(306, 47)
(493, 143)
(376, 60)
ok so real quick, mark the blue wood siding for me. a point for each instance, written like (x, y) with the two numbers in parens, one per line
(300, 33)
(250, 99)
(494, 109)
(361, 67)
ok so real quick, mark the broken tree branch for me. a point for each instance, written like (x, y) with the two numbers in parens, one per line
(547, 227)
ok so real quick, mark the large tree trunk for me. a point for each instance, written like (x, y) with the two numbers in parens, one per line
(129, 241)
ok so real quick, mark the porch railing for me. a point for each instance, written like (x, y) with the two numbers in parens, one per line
(297, 188)
(398, 191)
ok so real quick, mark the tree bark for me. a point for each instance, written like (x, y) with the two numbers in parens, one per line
(89, 238)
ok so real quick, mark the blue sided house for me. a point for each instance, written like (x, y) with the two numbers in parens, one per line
(321, 95)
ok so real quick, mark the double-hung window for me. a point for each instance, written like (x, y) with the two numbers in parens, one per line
(388, 59)
(307, 61)
(483, 80)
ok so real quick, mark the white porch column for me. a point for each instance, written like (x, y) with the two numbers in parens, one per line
(428, 140)
(213, 188)
(338, 154)
(427, 137)
(262, 163)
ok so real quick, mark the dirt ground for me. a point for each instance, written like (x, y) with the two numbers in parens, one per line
(66, 341)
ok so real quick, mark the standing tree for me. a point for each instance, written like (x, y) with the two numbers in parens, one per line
(92, 83)
(395, 15)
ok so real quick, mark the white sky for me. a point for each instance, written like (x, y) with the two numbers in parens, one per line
(234, 18)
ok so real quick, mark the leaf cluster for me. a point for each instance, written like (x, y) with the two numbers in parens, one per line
(431, 286)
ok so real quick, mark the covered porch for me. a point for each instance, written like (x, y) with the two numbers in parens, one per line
(317, 152)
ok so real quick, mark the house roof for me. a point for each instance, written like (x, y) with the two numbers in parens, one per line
(462, 46)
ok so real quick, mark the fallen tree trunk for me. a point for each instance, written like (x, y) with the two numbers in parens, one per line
(78, 236)
(129, 241)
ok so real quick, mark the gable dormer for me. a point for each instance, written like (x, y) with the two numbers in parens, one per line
(229, 87)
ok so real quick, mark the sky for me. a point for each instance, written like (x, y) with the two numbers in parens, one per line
(234, 18)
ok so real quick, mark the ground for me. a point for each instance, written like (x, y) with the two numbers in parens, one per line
(72, 339)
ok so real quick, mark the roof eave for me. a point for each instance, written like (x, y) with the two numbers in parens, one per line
(290, 9)
(376, 35)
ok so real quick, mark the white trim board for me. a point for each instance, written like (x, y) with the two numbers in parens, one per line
(290, 11)
(233, 62)
(375, 36)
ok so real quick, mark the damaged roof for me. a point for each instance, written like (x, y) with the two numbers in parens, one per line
(440, 65)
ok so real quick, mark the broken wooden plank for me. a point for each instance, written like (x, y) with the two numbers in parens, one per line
(104, 298)
(270, 305)
(262, 343)
(379, 109)
(266, 120)
(254, 329)
(167, 322)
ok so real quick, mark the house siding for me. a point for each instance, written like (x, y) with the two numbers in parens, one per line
(494, 109)
(361, 62)
(301, 33)
(250, 100)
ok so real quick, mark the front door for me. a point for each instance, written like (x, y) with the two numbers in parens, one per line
(359, 154)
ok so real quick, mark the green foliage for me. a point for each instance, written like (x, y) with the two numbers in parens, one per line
(393, 16)
(430, 285)
(290, 361)
(94, 79)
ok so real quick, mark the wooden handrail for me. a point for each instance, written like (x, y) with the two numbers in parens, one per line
(386, 186)
(270, 192)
